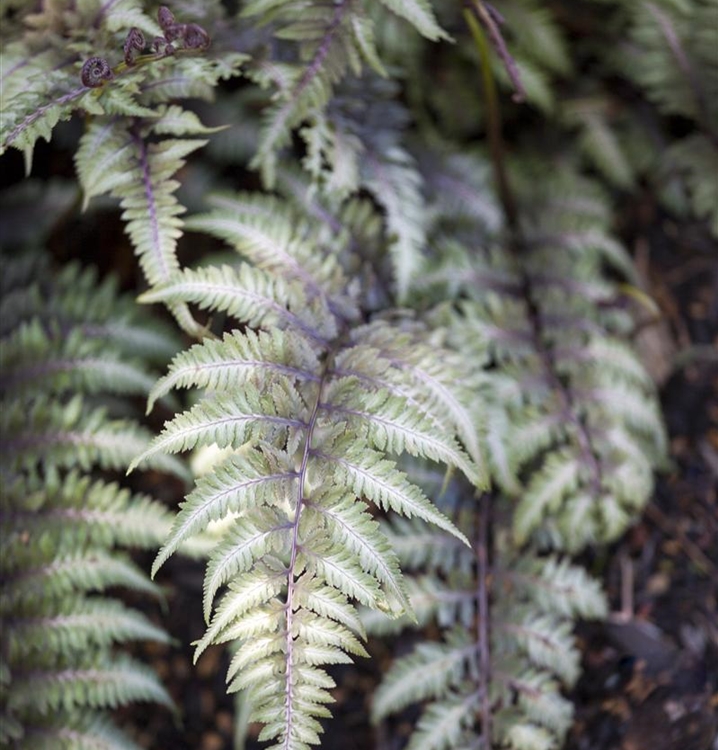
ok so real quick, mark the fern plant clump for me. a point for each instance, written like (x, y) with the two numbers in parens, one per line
(409, 349)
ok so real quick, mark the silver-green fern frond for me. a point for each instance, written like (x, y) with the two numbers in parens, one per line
(576, 431)
(64, 528)
(332, 39)
(117, 158)
(530, 654)
(316, 405)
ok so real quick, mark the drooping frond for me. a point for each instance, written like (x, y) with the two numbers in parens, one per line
(572, 435)
(119, 159)
(312, 402)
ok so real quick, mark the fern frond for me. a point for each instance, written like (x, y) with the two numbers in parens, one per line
(505, 618)
(331, 40)
(62, 527)
(120, 161)
(22, 130)
(126, 150)
(566, 377)
(309, 405)
(327, 42)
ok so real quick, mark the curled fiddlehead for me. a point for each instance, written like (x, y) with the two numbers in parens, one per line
(134, 44)
(166, 18)
(95, 71)
(195, 37)
(192, 35)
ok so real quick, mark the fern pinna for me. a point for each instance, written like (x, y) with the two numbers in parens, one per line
(66, 527)
(313, 399)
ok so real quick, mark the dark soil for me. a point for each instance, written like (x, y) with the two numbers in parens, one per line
(651, 672)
